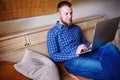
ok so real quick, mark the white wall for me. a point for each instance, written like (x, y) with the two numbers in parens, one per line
(26, 23)
(81, 8)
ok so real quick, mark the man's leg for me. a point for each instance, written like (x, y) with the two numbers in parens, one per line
(109, 56)
(110, 59)
(86, 67)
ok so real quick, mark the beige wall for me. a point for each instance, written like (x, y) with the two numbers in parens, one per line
(81, 8)
(26, 23)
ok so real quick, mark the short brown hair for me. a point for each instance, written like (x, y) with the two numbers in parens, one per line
(63, 3)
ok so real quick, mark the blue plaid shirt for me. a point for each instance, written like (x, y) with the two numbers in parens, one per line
(62, 42)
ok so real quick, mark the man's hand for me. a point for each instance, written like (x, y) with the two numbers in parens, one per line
(90, 46)
(81, 48)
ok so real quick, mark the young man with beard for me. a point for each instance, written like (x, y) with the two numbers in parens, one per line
(65, 43)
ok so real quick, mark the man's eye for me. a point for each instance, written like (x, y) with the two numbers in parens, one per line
(66, 13)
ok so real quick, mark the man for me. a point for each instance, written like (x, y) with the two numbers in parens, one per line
(65, 43)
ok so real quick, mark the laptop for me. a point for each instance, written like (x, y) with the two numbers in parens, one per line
(104, 32)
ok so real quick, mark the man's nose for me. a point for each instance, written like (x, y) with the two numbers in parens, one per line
(70, 15)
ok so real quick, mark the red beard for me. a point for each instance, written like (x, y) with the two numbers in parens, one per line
(65, 23)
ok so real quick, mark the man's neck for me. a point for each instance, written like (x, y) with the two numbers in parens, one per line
(64, 24)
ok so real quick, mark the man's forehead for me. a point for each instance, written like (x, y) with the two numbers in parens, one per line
(65, 8)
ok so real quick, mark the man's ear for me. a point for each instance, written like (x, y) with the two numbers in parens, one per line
(58, 14)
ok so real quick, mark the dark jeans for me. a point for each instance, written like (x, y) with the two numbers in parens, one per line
(101, 64)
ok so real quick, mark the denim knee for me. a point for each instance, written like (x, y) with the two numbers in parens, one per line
(108, 46)
(108, 49)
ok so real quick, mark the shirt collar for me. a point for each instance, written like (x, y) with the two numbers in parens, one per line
(60, 26)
